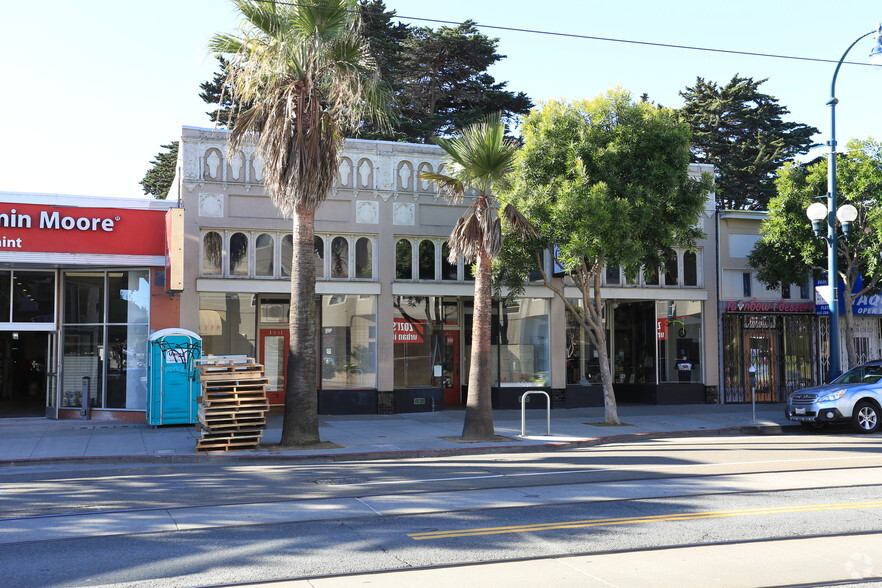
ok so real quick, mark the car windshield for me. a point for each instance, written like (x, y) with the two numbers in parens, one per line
(865, 374)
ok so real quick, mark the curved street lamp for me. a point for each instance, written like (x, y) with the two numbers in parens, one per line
(830, 211)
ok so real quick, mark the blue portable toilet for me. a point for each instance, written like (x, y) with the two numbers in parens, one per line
(173, 382)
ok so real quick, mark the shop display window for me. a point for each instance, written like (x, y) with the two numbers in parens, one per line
(418, 341)
(583, 359)
(33, 297)
(227, 323)
(104, 336)
(680, 345)
(348, 347)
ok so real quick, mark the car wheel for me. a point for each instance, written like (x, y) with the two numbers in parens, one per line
(813, 425)
(865, 418)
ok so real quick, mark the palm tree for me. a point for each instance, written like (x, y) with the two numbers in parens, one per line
(477, 160)
(307, 76)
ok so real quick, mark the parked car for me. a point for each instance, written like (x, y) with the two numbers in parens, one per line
(855, 397)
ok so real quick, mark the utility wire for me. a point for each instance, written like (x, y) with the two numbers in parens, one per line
(592, 38)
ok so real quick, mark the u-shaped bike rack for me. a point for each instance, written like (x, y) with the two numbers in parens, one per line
(524, 411)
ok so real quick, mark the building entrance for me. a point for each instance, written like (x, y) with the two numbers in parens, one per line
(23, 370)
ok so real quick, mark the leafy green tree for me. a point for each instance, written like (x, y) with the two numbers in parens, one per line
(158, 179)
(438, 77)
(476, 161)
(740, 130)
(217, 93)
(605, 183)
(306, 73)
(789, 252)
(445, 85)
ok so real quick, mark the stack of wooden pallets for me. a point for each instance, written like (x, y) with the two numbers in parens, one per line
(233, 405)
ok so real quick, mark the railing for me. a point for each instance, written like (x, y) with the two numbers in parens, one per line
(524, 411)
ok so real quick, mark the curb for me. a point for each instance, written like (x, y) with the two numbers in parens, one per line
(399, 454)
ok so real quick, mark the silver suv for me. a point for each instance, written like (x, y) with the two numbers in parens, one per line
(854, 397)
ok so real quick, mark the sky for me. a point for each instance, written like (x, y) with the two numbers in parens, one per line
(92, 88)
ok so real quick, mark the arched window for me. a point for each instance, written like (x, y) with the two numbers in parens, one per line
(403, 260)
(287, 254)
(339, 258)
(319, 256)
(427, 260)
(364, 258)
(212, 246)
(263, 255)
(239, 254)
(690, 268)
(448, 270)
(671, 271)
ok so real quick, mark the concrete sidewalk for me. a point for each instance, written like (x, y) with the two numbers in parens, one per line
(34, 441)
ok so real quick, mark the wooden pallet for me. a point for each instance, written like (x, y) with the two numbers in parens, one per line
(233, 404)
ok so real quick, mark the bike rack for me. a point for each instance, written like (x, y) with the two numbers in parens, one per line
(524, 411)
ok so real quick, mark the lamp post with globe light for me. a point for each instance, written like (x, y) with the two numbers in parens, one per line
(817, 212)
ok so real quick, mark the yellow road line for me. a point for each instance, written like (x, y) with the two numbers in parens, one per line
(642, 519)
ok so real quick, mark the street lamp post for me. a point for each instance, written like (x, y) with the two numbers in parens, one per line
(831, 212)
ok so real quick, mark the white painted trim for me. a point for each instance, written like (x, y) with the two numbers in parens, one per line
(86, 201)
(19, 258)
(284, 286)
(672, 293)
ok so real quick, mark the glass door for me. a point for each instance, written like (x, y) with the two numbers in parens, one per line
(761, 355)
(274, 356)
(452, 388)
(51, 371)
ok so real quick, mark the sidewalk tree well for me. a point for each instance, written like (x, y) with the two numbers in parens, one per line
(789, 252)
(605, 183)
(306, 73)
(476, 161)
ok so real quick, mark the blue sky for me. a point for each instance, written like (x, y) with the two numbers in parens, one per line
(92, 88)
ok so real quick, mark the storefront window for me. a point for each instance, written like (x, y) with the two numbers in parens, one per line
(583, 360)
(83, 350)
(5, 287)
(523, 343)
(239, 254)
(227, 323)
(418, 342)
(348, 348)
(633, 343)
(33, 297)
(263, 255)
(679, 340)
(84, 297)
(212, 246)
(128, 296)
(104, 337)
(126, 366)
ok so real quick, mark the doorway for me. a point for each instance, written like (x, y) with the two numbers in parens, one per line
(23, 373)
(452, 387)
(761, 353)
(274, 356)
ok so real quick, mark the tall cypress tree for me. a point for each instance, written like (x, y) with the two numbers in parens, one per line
(740, 131)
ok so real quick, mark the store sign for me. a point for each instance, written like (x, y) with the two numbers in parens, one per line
(661, 329)
(779, 306)
(866, 305)
(70, 229)
(405, 331)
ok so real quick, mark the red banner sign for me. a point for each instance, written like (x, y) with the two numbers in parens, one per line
(405, 331)
(70, 229)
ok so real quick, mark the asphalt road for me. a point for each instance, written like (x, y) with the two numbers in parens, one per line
(206, 525)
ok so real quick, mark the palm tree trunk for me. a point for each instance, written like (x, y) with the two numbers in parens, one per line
(300, 421)
(478, 423)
